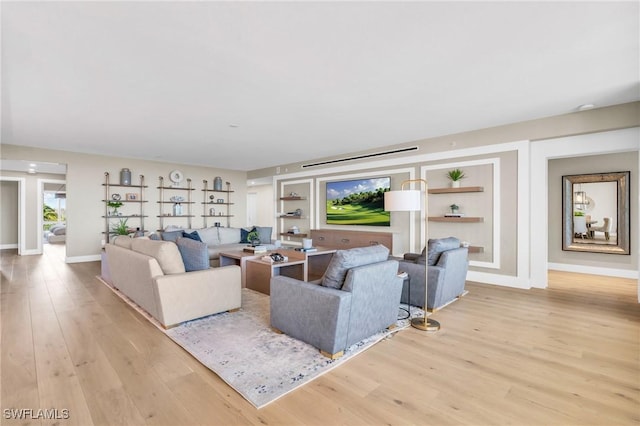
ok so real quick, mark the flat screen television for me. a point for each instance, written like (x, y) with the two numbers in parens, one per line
(358, 202)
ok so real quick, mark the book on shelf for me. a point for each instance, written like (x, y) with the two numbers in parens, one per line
(255, 249)
(454, 215)
(306, 250)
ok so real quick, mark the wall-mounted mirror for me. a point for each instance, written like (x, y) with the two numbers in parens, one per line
(595, 213)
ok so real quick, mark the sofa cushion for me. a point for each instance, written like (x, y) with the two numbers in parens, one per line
(122, 241)
(434, 249)
(209, 236)
(343, 260)
(194, 254)
(171, 235)
(165, 252)
(58, 230)
(264, 234)
(229, 235)
(191, 235)
(155, 236)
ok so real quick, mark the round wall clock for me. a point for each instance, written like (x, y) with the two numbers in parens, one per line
(176, 176)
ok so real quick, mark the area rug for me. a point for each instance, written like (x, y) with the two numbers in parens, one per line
(260, 364)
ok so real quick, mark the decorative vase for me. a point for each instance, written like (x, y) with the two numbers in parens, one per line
(455, 184)
(217, 183)
(125, 177)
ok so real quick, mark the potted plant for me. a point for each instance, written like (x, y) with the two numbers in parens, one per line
(454, 208)
(455, 175)
(115, 205)
(120, 228)
(254, 238)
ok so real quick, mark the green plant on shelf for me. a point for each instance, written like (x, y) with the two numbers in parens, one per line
(115, 205)
(456, 175)
(120, 227)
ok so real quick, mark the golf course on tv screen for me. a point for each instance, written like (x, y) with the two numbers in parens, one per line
(358, 202)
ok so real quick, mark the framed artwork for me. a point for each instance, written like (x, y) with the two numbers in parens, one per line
(358, 202)
(131, 196)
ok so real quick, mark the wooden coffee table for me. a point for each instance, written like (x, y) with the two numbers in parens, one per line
(301, 265)
(260, 272)
(239, 257)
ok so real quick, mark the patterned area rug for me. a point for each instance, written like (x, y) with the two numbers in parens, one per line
(260, 364)
(257, 362)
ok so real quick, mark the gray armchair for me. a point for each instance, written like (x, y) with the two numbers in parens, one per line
(359, 296)
(448, 265)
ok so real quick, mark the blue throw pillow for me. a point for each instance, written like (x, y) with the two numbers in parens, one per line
(264, 234)
(194, 235)
(195, 255)
(171, 235)
(244, 235)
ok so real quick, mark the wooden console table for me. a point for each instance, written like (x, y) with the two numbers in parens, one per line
(343, 239)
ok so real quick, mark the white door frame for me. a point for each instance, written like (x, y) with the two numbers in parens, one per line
(22, 192)
(40, 224)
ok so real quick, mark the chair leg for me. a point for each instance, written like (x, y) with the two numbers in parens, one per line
(606, 236)
(332, 356)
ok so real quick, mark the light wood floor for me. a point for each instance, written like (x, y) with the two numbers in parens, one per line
(567, 355)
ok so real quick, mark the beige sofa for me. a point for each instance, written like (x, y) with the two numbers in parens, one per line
(217, 239)
(152, 274)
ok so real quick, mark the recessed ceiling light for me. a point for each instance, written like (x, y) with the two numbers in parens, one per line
(32, 165)
(586, 107)
(31, 171)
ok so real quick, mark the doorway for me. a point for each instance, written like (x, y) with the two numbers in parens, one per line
(52, 217)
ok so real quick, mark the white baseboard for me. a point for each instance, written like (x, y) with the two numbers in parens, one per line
(592, 270)
(495, 279)
(31, 252)
(81, 259)
(8, 246)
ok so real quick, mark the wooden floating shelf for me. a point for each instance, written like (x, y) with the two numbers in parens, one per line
(123, 216)
(284, 216)
(124, 201)
(464, 219)
(293, 198)
(215, 190)
(456, 190)
(293, 235)
(175, 202)
(175, 187)
(217, 204)
(476, 249)
(176, 215)
(216, 215)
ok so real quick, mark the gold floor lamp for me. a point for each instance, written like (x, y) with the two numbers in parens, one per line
(409, 200)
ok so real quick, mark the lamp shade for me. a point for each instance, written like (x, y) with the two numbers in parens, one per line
(402, 201)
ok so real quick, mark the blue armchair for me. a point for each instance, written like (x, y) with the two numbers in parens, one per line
(358, 296)
(448, 265)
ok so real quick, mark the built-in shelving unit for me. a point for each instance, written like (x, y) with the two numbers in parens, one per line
(290, 201)
(456, 190)
(458, 219)
(129, 198)
(186, 204)
(215, 201)
(463, 219)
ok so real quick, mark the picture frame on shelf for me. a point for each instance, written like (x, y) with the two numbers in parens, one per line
(130, 196)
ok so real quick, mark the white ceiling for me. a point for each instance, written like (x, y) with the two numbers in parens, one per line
(172, 80)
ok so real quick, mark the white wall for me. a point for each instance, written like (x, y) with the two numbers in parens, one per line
(8, 214)
(546, 202)
(85, 175)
